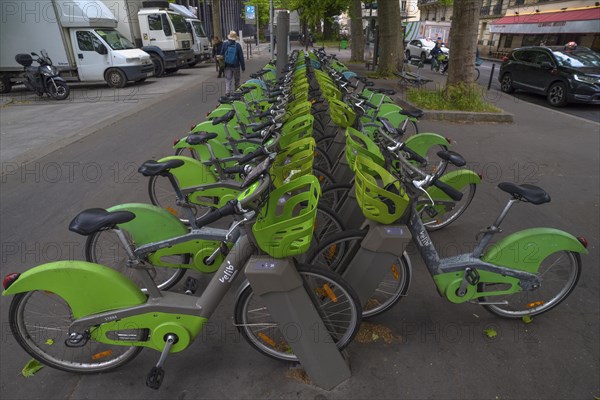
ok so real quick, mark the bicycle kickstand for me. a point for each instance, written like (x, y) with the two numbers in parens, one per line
(157, 373)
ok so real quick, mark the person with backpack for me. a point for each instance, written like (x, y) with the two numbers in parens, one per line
(234, 59)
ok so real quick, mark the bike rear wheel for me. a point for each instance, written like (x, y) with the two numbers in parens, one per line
(40, 322)
(337, 253)
(341, 316)
(105, 248)
(559, 274)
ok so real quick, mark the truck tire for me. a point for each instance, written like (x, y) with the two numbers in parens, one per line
(155, 4)
(5, 84)
(171, 70)
(115, 78)
(159, 66)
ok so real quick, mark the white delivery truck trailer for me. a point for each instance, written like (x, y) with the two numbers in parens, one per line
(159, 31)
(79, 36)
(433, 30)
(200, 42)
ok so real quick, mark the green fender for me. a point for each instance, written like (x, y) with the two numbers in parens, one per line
(218, 148)
(422, 142)
(457, 179)
(525, 250)
(191, 173)
(151, 223)
(88, 288)
(220, 111)
(194, 173)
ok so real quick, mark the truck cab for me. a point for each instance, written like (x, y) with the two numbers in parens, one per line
(169, 32)
(200, 43)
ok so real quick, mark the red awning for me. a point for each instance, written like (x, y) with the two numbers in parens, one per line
(574, 21)
(538, 18)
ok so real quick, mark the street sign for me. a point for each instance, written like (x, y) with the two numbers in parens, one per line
(250, 14)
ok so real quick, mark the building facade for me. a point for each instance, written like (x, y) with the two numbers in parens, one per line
(507, 24)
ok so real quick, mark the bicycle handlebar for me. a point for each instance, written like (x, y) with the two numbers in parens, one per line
(226, 210)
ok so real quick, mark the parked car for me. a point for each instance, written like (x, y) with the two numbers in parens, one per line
(562, 76)
(420, 48)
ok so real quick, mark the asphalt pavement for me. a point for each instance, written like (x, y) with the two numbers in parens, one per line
(61, 157)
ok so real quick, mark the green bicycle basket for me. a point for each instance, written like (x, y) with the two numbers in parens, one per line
(358, 143)
(285, 224)
(340, 113)
(293, 161)
(378, 193)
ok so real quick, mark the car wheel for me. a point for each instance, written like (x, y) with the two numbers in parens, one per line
(115, 78)
(5, 84)
(506, 84)
(408, 55)
(423, 57)
(557, 94)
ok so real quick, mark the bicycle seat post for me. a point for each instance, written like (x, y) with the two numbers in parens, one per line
(492, 229)
(181, 200)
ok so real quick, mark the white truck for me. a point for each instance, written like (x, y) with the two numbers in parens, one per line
(159, 31)
(200, 42)
(432, 30)
(80, 38)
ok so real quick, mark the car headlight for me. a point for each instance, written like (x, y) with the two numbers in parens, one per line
(133, 60)
(586, 79)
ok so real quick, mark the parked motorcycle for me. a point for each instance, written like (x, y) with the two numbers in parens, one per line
(43, 78)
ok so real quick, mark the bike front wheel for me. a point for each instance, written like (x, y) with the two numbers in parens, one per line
(559, 274)
(337, 253)
(336, 303)
(445, 211)
(40, 322)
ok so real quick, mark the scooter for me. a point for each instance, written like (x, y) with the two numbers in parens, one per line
(43, 78)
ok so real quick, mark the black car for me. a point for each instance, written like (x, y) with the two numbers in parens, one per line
(562, 76)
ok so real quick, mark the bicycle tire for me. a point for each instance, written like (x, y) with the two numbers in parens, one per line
(254, 323)
(411, 128)
(334, 196)
(40, 321)
(325, 178)
(477, 74)
(337, 252)
(104, 247)
(324, 143)
(322, 160)
(435, 222)
(531, 303)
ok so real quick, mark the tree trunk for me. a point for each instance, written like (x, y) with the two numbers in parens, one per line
(390, 37)
(327, 27)
(463, 41)
(356, 30)
(216, 19)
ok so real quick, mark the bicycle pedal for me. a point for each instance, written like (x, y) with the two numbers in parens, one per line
(155, 378)
(191, 285)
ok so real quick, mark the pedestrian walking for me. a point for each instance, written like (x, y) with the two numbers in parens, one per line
(216, 53)
(234, 60)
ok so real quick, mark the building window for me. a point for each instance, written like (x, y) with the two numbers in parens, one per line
(508, 41)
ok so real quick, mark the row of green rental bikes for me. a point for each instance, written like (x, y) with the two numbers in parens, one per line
(317, 167)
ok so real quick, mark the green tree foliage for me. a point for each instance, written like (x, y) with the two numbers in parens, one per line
(313, 12)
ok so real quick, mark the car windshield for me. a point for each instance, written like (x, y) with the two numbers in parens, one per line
(114, 39)
(578, 59)
(178, 23)
(198, 28)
